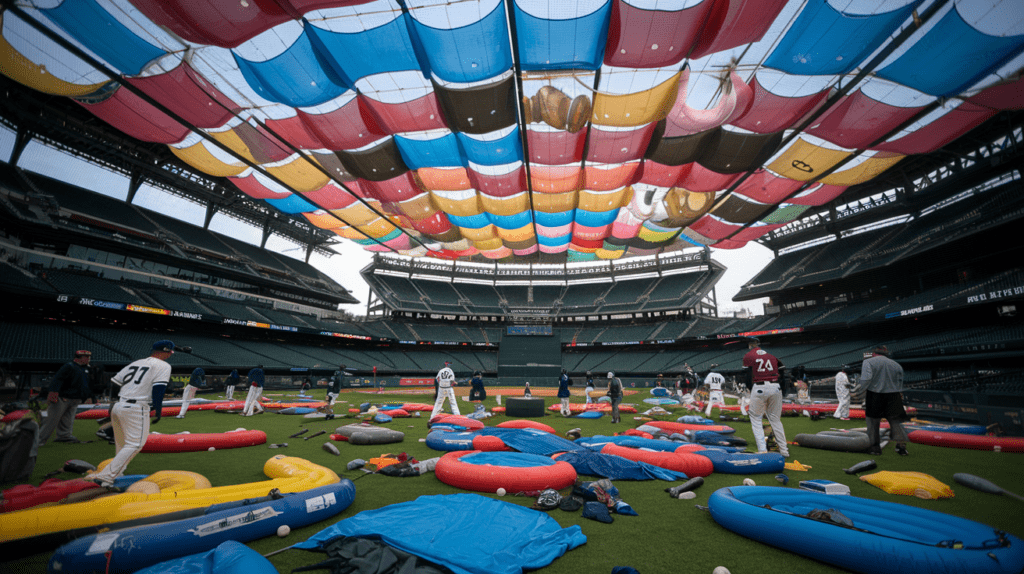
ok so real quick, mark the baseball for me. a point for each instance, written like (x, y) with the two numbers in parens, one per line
(720, 570)
(687, 495)
(283, 530)
(211, 449)
(501, 492)
(748, 482)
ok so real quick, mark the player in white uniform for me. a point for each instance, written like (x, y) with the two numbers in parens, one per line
(141, 382)
(445, 382)
(843, 387)
(714, 383)
(198, 379)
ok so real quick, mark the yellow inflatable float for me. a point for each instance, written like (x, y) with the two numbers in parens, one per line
(166, 491)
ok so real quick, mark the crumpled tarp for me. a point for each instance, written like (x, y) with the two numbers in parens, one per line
(366, 556)
(229, 558)
(468, 533)
(533, 441)
(617, 468)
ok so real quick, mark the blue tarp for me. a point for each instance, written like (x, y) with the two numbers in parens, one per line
(562, 44)
(533, 441)
(470, 53)
(467, 533)
(229, 558)
(617, 468)
(296, 77)
(100, 32)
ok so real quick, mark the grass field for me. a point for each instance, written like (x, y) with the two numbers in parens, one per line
(668, 536)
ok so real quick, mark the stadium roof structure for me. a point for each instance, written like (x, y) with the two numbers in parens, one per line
(524, 130)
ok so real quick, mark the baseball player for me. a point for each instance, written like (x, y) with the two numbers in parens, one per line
(765, 395)
(714, 384)
(445, 381)
(229, 388)
(334, 386)
(252, 400)
(198, 379)
(843, 387)
(142, 383)
(563, 393)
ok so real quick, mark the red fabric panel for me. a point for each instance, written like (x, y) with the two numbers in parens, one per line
(556, 147)
(771, 113)
(941, 131)
(556, 178)
(818, 195)
(856, 120)
(435, 224)
(1002, 97)
(703, 179)
(224, 23)
(598, 179)
(661, 175)
(264, 147)
(729, 244)
(652, 38)
(295, 132)
(587, 244)
(754, 231)
(133, 116)
(499, 185)
(766, 187)
(395, 189)
(351, 126)
(185, 92)
(714, 228)
(582, 234)
(421, 114)
(253, 188)
(618, 146)
(734, 23)
(332, 196)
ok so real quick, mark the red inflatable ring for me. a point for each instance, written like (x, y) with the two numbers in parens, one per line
(514, 471)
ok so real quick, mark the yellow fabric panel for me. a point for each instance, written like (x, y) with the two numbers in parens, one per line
(554, 202)
(489, 244)
(521, 234)
(556, 178)
(511, 205)
(325, 220)
(603, 253)
(482, 234)
(630, 110)
(419, 207)
(377, 228)
(200, 158)
(24, 71)
(459, 207)
(229, 138)
(460, 245)
(916, 484)
(601, 201)
(300, 174)
(654, 236)
(866, 171)
(356, 214)
(452, 179)
(804, 161)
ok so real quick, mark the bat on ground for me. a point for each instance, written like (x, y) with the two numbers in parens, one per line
(318, 433)
(300, 433)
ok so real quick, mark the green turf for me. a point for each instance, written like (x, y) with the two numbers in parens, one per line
(669, 535)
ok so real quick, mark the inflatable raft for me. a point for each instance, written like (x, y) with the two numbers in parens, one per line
(674, 427)
(884, 538)
(364, 433)
(968, 441)
(513, 471)
(446, 441)
(690, 464)
(843, 441)
(203, 441)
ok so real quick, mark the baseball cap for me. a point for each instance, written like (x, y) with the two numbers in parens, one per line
(754, 340)
(165, 345)
(610, 374)
(446, 363)
(83, 353)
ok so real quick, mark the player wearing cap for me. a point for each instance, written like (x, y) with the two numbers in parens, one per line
(564, 382)
(714, 382)
(445, 381)
(765, 395)
(843, 388)
(197, 379)
(142, 383)
(334, 386)
(68, 388)
(230, 382)
(252, 400)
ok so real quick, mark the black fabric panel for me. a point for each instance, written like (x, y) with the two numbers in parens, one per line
(378, 163)
(735, 209)
(479, 110)
(733, 152)
(680, 150)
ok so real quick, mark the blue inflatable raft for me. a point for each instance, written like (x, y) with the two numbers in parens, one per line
(884, 538)
(744, 462)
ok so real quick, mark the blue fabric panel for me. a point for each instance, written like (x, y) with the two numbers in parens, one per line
(506, 458)
(510, 222)
(440, 152)
(617, 468)
(533, 441)
(387, 48)
(295, 77)
(554, 241)
(229, 558)
(562, 44)
(470, 221)
(554, 219)
(469, 54)
(97, 30)
(502, 151)
(825, 41)
(596, 218)
(574, 256)
(933, 64)
(292, 204)
(480, 534)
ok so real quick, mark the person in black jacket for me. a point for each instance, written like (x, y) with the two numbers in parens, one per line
(68, 389)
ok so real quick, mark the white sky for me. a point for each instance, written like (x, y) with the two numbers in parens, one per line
(742, 264)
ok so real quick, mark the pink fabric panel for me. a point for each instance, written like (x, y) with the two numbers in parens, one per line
(770, 113)
(557, 147)
(940, 132)
(734, 23)
(295, 131)
(332, 196)
(133, 116)
(704, 180)
(553, 248)
(661, 175)
(349, 127)
(858, 120)
(253, 188)
(729, 244)
(264, 147)
(499, 185)
(185, 92)
(586, 233)
(764, 187)
(652, 38)
(559, 231)
(618, 147)
(395, 189)
(626, 225)
(754, 231)
(421, 114)
(683, 120)
(225, 23)
(819, 195)
(528, 251)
